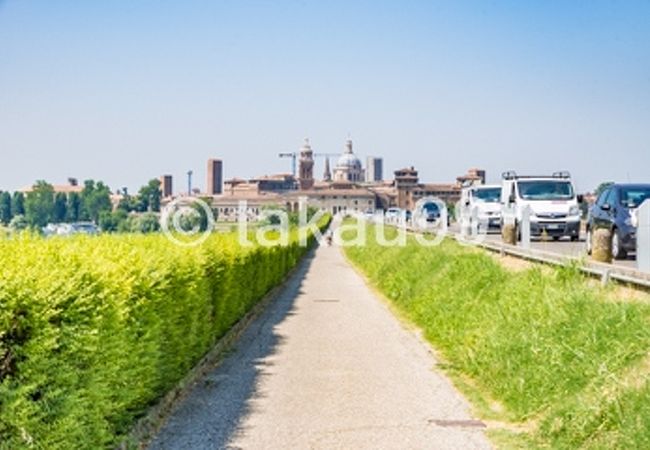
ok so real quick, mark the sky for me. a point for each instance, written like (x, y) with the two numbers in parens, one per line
(125, 91)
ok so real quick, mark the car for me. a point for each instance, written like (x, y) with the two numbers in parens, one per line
(615, 209)
(429, 211)
(427, 214)
(483, 203)
(393, 213)
(551, 199)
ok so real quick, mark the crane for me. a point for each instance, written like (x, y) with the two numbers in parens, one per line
(293, 156)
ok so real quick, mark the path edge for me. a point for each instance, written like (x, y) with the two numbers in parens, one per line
(147, 426)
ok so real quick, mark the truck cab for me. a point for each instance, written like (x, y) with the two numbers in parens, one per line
(551, 199)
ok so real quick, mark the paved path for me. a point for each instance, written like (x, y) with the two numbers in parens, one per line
(327, 366)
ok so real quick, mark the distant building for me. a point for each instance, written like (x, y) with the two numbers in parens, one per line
(215, 177)
(347, 190)
(166, 185)
(473, 176)
(374, 169)
(327, 174)
(280, 183)
(406, 189)
(72, 186)
(348, 167)
(306, 167)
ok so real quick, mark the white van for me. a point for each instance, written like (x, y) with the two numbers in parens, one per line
(553, 203)
(485, 199)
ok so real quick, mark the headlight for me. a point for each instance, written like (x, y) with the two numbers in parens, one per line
(574, 211)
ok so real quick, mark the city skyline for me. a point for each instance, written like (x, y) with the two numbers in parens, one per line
(125, 93)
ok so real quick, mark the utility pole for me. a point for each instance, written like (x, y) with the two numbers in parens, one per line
(189, 182)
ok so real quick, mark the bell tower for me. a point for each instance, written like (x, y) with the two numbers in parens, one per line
(306, 171)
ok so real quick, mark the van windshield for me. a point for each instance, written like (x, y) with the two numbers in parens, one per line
(545, 190)
(488, 195)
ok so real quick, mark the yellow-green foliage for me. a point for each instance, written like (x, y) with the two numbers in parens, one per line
(93, 330)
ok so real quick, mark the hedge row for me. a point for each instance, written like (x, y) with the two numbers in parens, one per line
(93, 330)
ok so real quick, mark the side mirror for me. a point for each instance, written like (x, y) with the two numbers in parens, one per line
(605, 207)
(580, 198)
(466, 202)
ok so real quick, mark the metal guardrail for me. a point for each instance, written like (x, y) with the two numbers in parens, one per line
(606, 272)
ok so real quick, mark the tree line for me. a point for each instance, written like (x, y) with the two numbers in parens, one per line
(42, 205)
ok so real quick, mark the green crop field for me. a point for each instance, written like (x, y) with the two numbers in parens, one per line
(93, 330)
(551, 359)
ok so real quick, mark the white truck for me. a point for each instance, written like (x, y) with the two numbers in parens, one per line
(481, 204)
(551, 201)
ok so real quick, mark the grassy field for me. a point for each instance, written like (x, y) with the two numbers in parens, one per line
(550, 359)
(93, 330)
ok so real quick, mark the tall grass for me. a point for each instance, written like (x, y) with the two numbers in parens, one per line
(547, 345)
(94, 330)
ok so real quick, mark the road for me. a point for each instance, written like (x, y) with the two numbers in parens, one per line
(565, 247)
(328, 366)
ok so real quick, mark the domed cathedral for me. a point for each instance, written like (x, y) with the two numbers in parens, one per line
(306, 175)
(348, 167)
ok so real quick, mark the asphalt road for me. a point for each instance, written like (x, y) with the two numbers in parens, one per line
(566, 248)
(326, 366)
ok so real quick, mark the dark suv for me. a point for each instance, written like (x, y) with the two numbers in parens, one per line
(615, 209)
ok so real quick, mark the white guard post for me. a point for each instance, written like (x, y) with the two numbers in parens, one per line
(474, 222)
(464, 221)
(643, 237)
(525, 227)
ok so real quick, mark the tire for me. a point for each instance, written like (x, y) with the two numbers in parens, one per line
(575, 238)
(618, 252)
(556, 238)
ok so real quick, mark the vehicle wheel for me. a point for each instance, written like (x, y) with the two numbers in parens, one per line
(575, 238)
(618, 252)
(556, 238)
(588, 241)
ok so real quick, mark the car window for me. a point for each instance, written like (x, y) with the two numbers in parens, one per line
(611, 197)
(632, 197)
(602, 197)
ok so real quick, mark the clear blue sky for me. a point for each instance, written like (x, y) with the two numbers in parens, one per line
(125, 91)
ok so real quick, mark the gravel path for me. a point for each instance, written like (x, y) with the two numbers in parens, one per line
(326, 366)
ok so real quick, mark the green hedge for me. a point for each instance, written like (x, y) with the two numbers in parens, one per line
(93, 330)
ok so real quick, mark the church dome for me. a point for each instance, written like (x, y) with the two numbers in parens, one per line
(348, 160)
